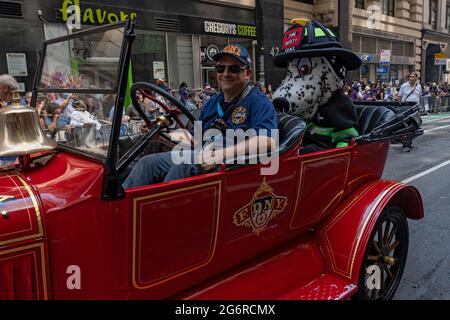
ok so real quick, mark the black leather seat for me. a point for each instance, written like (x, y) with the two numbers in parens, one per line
(370, 117)
(291, 129)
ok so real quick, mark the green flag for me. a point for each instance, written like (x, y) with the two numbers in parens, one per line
(128, 91)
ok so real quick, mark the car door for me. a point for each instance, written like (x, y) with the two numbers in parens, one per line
(174, 233)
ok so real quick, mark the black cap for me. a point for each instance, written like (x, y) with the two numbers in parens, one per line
(307, 38)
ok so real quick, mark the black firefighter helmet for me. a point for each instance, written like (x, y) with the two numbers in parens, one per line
(310, 38)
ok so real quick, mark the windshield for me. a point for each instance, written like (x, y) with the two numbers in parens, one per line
(77, 88)
(88, 62)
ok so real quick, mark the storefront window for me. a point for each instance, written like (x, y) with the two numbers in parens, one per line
(24, 38)
(382, 72)
(368, 45)
(393, 74)
(356, 43)
(433, 14)
(447, 21)
(208, 46)
(389, 7)
(181, 62)
(365, 72)
(359, 4)
(148, 57)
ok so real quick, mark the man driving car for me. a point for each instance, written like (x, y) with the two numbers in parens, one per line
(238, 106)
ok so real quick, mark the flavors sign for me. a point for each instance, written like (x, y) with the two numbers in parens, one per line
(91, 15)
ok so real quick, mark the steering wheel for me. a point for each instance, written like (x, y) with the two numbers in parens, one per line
(145, 88)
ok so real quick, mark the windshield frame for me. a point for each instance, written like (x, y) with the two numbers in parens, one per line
(112, 188)
(128, 27)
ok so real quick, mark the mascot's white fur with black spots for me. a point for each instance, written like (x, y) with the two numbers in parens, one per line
(316, 66)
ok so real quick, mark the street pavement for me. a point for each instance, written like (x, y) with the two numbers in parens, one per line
(427, 272)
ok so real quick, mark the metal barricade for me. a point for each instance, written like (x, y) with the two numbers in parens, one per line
(429, 104)
(445, 103)
(424, 105)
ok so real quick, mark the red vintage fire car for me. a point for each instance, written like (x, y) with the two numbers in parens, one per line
(320, 228)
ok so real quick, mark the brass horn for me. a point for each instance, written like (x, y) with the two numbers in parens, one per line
(20, 131)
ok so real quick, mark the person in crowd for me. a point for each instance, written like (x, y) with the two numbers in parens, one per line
(410, 91)
(388, 93)
(368, 95)
(347, 90)
(206, 94)
(183, 92)
(41, 105)
(7, 86)
(53, 113)
(191, 103)
(82, 119)
(27, 98)
(131, 110)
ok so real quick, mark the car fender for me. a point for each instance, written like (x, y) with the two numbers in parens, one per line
(24, 271)
(344, 235)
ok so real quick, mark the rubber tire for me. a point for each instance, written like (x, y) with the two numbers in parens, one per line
(398, 216)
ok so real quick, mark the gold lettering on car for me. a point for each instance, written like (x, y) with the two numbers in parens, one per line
(263, 208)
(3, 199)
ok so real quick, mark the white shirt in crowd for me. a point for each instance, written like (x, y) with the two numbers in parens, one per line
(406, 89)
(79, 118)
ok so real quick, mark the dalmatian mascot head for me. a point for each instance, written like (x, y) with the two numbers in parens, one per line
(316, 66)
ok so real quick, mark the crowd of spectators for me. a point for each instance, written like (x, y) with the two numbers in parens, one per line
(384, 91)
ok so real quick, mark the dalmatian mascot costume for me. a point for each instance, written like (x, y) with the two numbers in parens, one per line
(316, 68)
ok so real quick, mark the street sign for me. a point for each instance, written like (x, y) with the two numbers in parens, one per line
(365, 57)
(440, 55)
(440, 59)
(385, 56)
(383, 69)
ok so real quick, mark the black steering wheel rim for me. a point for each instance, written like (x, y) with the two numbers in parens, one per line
(151, 87)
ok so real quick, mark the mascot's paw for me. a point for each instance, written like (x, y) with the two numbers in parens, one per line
(281, 105)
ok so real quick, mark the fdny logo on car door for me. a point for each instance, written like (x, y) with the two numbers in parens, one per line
(264, 207)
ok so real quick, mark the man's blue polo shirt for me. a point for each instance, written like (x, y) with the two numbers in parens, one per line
(255, 111)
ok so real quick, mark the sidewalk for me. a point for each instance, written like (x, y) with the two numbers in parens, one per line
(433, 117)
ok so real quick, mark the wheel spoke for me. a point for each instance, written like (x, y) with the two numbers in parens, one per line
(388, 271)
(377, 249)
(391, 235)
(375, 294)
(380, 236)
(393, 246)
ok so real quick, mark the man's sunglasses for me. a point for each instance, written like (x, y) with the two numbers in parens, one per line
(234, 68)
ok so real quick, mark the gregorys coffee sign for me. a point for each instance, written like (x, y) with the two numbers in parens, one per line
(90, 15)
(230, 29)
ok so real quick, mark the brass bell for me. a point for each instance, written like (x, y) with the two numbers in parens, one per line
(20, 131)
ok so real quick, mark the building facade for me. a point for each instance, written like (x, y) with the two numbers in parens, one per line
(386, 34)
(436, 37)
(176, 38)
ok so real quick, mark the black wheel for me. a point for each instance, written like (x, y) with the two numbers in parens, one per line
(385, 257)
